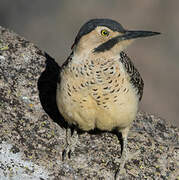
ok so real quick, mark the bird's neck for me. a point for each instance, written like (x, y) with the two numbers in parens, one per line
(79, 65)
(80, 58)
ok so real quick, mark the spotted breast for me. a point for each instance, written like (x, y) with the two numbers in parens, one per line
(99, 92)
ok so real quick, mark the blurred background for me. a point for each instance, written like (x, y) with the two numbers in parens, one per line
(52, 26)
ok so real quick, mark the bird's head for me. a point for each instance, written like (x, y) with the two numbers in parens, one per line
(101, 35)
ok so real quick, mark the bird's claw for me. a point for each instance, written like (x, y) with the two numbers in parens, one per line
(71, 141)
(120, 175)
(66, 154)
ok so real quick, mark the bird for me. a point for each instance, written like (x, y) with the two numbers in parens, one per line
(98, 85)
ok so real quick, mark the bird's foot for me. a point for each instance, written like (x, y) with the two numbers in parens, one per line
(71, 141)
(66, 153)
(121, 172)
(121, 175)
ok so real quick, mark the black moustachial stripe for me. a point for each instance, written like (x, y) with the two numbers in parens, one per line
(107, 45)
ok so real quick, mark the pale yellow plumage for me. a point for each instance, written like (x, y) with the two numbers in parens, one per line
(98, 86)
(106, 103)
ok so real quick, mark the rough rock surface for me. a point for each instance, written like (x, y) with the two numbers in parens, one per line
(32, 132)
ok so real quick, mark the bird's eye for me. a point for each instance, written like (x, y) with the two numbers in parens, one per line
(104, 32)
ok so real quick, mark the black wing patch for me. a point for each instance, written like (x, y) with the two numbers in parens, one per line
(136, 79)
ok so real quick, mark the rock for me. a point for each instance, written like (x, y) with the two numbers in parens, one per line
(32, 132)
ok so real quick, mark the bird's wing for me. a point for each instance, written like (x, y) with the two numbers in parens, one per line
(135, 77)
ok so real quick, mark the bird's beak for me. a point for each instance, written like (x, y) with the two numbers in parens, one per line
(136, 34)
(127, 35)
